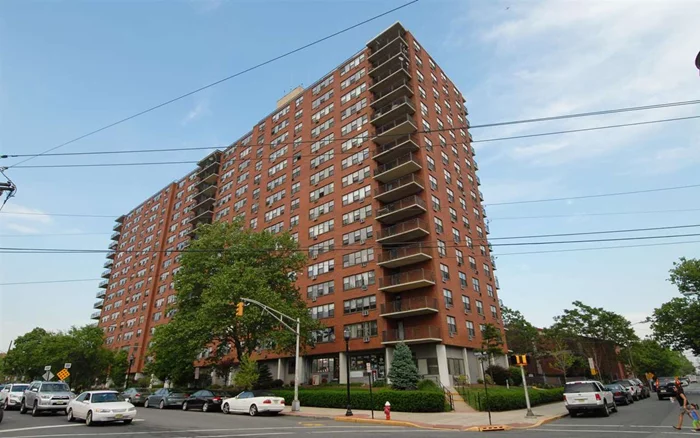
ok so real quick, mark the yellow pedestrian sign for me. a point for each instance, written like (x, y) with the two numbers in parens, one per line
(63, 374)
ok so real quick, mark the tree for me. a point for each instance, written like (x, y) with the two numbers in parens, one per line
(247, 375)
(119, 368)
(555, 344)
(26, 360)
(676, 324)
(403, 373)
(685, 275)
(521, 336)
(264, 377)
(491, 340)
(593, 326)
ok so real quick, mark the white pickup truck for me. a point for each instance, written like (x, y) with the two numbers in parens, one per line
(588, 396)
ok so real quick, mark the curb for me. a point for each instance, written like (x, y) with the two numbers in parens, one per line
(541, 422)
(383, 422)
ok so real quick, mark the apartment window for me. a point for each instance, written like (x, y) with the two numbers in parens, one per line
(428, 144)
(322, 336)
(321, 312)
(321, 248)
(325, 141)
(438, 225)
(355, 125)
(482, 249)
(472, 262)
(352, 79)
(362, 330)
(475, 285)
(323, 112)
(356, 281)
(494, 312)
(479, 231)
(323, 174)
(357, 236)
(315, 212)
(450, 195)
(357, 215)
(419, 63)
(295, 204)
(421, 78)
(466, 303)
(277, 168)
(277, 212)
(455, 235)
(460, 257)
(421, 91)
(319, 290)
(320, 193)
(479, 307)
(433, 182)
(451, 325)
(356, 177)
(327, 156)
(276, 182)
(254, 223)
(322, 127)
(489, 290)
(447, 296)
(470, 329)
(296, 187)
(444, 272)
(462, 280)
(294, 221)
(453, 214)
(360, 304)
(320, 268)
(463, 204)
(360, 257)
(445, 158)
(353, 109)
(436, 202)
(353, 94)
(487, 270)
(321, 228)
(357, 195)
(278, 196)
(426, 125)
(423, 109)
(324, 98)
(354, 142)
(442, 248)
(431, 163)
(355, 159)
(352, 64)
(323, 84)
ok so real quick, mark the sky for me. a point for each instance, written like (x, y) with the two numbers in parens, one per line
(67, 68)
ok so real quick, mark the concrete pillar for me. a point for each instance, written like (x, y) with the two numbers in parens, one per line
(442, 365)
(138, 376)
(279, 369)
(465, 358)
(342, 364)
(388, 357)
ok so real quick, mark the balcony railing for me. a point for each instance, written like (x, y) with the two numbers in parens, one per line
(397, 168)
(405, 102)
(112, 245)
(399, 55)
(412, 305)
(404, 229)
(393, 124)
(399, 188)
(407, 280)
(100, 294)
(399, 88)
(108, 264)
(386, 37)
(425, 333)
(401, 209)
(387, 41)
(95, 315)
(114, 236)
(117, 226)
(394, 149)
(98, 304)
(111, 254)
(405, 255)
(106, 273)
(103, 283)
(390, 78)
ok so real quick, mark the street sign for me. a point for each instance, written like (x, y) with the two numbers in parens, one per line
(48, 375)
(593, 372)
(47, 368)
(67, 365)
(369, 367)
(591, 364)
(63, 374)
(196, 373)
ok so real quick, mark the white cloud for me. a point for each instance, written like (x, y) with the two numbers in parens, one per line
(505, 191)
(17, 213)
(199, 110)
(22, 229)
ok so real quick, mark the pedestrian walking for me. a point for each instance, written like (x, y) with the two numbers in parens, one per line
(682, 402)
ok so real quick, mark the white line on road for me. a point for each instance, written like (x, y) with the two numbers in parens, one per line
(245, 434)
(22, 429)
(634, 432)
(387, 429)
(584, 425)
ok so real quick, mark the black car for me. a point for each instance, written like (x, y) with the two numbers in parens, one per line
(136, 396)
(206, 400)
(620, 394)
(667, 389)
(166, 397)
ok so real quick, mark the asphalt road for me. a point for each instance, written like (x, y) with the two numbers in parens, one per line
(646, 418)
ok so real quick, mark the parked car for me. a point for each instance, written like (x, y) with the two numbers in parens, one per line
(663, 390)
(644, 388)
(620, 394)
(46, 397)
(693, 379)
(206, 400)
(2, 412)
(13, 393)
(100, 407)
(631, 387)
(136, 396)
(253, 402)
(588, 396)
(166, 397)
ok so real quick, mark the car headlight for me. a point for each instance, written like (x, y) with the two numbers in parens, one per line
(132, 409)
(103, 411)
(45, 397)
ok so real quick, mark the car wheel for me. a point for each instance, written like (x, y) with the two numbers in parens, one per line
(614, 407)
(626, 402)
(7, 404)
(145, 404)
(606, 409)
(88, 419)
(70, 416)
(23, 408)
(205, 407)
(35, 409)
(161, 405)
(225, 408)
(184, 406)
(253, 411)
(128, 421)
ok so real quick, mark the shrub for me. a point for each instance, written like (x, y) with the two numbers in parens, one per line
(277, 383)
(515, 376)
(488, 379)
(403, 373)
(428, 385)
(502, 399)
(499, 374)
(264, 377)
(401, 401)
(379, 383)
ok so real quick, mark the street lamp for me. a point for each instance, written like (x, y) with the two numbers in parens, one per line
(128, 371)
(346, 335)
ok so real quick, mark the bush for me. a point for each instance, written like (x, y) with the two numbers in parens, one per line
(401, 401)
(499, 374)
(379, 383)
(515, 377)
(403, 373)
(488, 379)
(428, 385)
(502, 399)
(277, 383)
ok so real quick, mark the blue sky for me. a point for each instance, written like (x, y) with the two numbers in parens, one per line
(69, 67)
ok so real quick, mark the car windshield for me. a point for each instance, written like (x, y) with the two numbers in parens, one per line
(55, 387)
(106, 397)
(221, 394)
(263, 394)
(19, 388)
(580, 387)
(614, 387)
(665, 380)
(624, 383)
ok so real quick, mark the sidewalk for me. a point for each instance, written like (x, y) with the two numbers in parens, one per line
(442, 420)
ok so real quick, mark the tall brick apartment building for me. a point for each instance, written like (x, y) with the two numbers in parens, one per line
(376, 156)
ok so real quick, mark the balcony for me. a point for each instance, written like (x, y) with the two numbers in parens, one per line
(112, 245)
(398, 107)
(407, 281)
(204, 215)
(401, 210)
(414, 306)
(397, 90)
(114, 236)
(214, 157)
(100, 294)
(390, 79)
(205, 203)
(111, 254)
(108, 264)
(120, 219)
(407, 231)
(208, 178)
(412, 335)
(205, 190)
(392, 60)
(395, 149)
(399, 188)
(404, 256)
(95, 315)
(106, 273)
(103, 284)
(389, 132)
(401, 166)
(117, 226)
(387, 42)
(98, 304)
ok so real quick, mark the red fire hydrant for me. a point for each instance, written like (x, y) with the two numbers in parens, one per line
(387, 410)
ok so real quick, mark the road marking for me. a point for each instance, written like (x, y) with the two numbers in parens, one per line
(584, 425)
(634, 432)
(22, 429)
(385, 430)
(245, 434)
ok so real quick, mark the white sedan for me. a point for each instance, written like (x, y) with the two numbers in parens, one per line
(253, 402)
(100, 407)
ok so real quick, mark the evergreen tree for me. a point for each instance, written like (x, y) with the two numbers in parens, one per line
(403, 373)
(247, 375)
(264, 377)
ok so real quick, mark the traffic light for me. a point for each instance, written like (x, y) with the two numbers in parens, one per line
(239, 309)
(521, 359)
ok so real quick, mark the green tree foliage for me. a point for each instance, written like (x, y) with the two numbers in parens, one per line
(225, 263)
(650, 356)
(554, 343)
(264, 377)
(403, 373)
(686, 276)
(499, 374)
(248, 374)
(676, 324)
(521, 336)
(120, 366)
(491, 340)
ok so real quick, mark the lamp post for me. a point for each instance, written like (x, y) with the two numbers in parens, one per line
(346, 335)
(128, 371)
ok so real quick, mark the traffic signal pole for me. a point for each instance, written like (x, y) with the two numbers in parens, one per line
(521, 360)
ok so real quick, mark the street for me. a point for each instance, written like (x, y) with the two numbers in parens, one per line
(650, 417)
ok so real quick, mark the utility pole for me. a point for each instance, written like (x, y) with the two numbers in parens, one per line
(279, 316)
(522, 363)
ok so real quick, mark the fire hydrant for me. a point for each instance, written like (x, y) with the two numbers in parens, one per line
(387, 410)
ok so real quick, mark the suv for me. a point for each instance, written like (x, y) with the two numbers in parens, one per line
(13, 394)
(665, 387)
(46, 396)
(587, 396)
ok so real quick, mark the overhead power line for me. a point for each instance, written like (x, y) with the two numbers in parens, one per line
(613, 213)
(48, 282)
(587, 233)
(209, 148)
(599, 248)
(227, 78)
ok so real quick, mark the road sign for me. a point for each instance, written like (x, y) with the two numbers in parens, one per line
(67, 365)
(63, 374)
(369, 367)
(48, 375)
(593, 372)
(196, 373)
(47, 368)
(591, 364)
